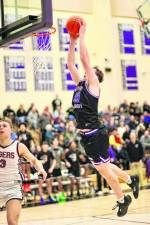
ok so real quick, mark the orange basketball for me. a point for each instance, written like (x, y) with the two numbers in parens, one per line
(73, 25)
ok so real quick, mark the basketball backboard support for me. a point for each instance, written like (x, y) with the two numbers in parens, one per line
(143, 12)
(21, 18)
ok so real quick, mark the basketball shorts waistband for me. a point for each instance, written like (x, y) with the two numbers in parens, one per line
(88, 133)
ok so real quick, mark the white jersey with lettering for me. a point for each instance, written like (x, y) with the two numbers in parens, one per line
(10, 163)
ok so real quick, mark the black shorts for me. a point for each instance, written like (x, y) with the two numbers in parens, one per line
(74, 172)
(96, 144)
(57, 173)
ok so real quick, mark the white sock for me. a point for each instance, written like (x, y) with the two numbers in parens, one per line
(121, 200)
(129, 181)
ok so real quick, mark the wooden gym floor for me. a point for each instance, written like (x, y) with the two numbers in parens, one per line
(92, 211)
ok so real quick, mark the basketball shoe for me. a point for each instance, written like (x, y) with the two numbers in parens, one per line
(135, 186)
(123, 207)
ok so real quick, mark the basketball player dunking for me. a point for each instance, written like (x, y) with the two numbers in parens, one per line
(94, 137)
(10, 175)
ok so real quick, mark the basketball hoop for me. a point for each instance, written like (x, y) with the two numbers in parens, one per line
(141, 23)
(42, 42)
(43, 39)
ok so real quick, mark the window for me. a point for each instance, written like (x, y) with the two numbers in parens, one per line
(145, 43)
(43, 73)
(129, 75)
(63, 35)
(67, 83)
(15, 76)
(126, 34)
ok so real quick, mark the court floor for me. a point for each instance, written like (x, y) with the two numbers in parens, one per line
(93, 211)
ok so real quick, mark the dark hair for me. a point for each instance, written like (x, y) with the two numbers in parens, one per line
(99, 74)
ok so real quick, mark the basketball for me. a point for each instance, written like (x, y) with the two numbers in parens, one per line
(73, 25)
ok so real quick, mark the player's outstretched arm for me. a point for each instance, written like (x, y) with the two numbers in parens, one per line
(24, 152)
(71, 61)
(84, 56)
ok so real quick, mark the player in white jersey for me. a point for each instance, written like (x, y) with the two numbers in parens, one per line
(10, 174)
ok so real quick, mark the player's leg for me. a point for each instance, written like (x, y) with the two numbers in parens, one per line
(132, 181)
(105, 170)
(13, 208)
(123, 201)
(40, 189)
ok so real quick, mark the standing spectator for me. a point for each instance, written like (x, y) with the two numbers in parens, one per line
(21, 114)
(146, 107)
(126, 134)
(56, 102)
(145, 140)
(138, 110)
(124, 105)
(58, 153)
(133, 123)
(33, 118)
(48, 160)
(140, 130)
(44, 119)
(73, 165)
(49, 133)
(135, 154)
(132, 108)
(121, 128)
(70, 133)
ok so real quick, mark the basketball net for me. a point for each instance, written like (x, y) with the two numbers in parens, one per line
(42, 42)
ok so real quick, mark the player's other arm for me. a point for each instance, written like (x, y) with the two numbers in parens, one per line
(71, 62)
(85, 59)
(24, 152)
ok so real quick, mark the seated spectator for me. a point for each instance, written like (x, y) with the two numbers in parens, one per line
(145, 140)
(114, 140)
(133, 123)
(58, 114)
(146, 119)
(9, 113)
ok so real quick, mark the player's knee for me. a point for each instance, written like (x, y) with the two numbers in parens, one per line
(13, 220)
(112, 178)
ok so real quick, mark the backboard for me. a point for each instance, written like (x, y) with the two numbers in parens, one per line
(21, 18)
(143, 12)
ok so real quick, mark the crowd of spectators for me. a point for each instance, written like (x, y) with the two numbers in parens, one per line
(52, 137)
